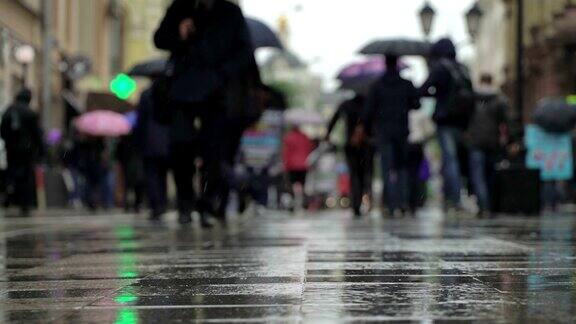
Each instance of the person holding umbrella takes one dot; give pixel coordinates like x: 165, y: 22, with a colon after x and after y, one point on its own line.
x: 386, y: 114
x: 211, y: 59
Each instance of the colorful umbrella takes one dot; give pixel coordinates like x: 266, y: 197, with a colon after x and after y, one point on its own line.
x: 360, y: 76
x: 103, y: 123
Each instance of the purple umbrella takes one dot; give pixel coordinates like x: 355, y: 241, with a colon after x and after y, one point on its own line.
x: 360, y: 76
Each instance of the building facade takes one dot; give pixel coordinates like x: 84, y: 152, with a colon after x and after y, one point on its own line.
x: 91, y: 29
x: 549, y: 44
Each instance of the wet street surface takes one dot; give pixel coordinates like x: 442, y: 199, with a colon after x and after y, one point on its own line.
x: 316, y: 268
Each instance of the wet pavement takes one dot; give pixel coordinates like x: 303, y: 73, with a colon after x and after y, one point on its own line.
x: 316, y: 268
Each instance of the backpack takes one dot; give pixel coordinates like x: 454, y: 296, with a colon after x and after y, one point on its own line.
x: 462, y: 102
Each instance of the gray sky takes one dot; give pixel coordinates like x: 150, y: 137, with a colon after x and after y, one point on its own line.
x: 328, y: 33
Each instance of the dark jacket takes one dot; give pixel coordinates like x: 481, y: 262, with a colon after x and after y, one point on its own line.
x: 484, y: 130
x: 152, y: 138
x: 217, y: 60
x: 21, y: 132
x: 388, y: 105
x: 440, y: 82
x: 352, y: 111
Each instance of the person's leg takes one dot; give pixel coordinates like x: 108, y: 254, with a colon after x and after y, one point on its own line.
x: 356, y: 173
x: 386, y: 160
x: 369, y: 170
x: 182, y: 163
x: 27, y: 189
x: 402, y: 185
x: 153, y: 185
x: 447, y: 137
x: 479, y: 178
x: 211, y: 151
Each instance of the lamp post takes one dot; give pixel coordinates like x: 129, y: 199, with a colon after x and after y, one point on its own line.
x: 24, y: 55
x: 427, y: 15
x: 474, y: 21
x: 520, y: 59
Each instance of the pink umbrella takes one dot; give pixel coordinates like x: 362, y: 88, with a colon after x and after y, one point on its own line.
x: 103, y: 123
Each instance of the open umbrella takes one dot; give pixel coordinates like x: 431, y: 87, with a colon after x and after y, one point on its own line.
x: 555, y: 115
x: 103, y: 123
x: 150, y: 69
x: 300, y: 116
x: 262, y: 36
x: 360, y: 76
x: 397, y: 47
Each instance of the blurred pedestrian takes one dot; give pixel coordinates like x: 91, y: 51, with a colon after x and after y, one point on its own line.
x: 129, y: 157
x: 296, y: 149
x: 22, y: 135
x: 360, y: 158
x: 211, y: 54
x: 153, y: 140
x: 388, y: 105
x: 244, y: 108
x: 449, y: 83
x: 487, y: 136
x: 94, y: 167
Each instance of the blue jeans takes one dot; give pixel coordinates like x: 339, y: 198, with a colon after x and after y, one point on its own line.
x: 479, y: 178
x: 550, y: 195
x: 448, y: 139
x: 393, y: 155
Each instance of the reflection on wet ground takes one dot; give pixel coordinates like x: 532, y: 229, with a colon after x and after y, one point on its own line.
x: 312, y: 268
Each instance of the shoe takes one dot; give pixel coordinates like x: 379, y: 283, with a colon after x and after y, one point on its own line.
x: 184, y: 219
x: 155, y: 218
x: 205, y: 221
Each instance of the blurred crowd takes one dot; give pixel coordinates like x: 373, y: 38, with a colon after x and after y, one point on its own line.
x: 209, y: 120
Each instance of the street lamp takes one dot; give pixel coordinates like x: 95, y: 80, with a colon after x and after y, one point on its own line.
x: 474, y: 20
x: 24, y: 55
x: 427, y: 15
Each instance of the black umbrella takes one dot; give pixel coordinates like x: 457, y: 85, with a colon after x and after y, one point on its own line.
x: 262, y: 36
x: 555, y: 115
x: 150, y: 69
x: 397, y: 47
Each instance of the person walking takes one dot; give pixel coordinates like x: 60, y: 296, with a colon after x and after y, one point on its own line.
x: 153, y: 141
x: 388, y: 105
x: 131, y: 162
x: 360, y: 158
x: 486, y: 136
x: 210, y: 50
x: 449, y: 83
x: 296, y: 149
x: 22, y: 137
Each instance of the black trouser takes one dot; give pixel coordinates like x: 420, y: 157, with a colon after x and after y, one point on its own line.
x: 205, y: 143
x: 156, y: 170
x: 22, y: 184
x: 360, y: 164
x: 417, y: 186
x: 182, y: 162
x: 133, y: 184
x: 231, y: 139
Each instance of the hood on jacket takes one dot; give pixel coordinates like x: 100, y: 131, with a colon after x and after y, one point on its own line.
x: 24, y: 96
x: 444, y: 48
